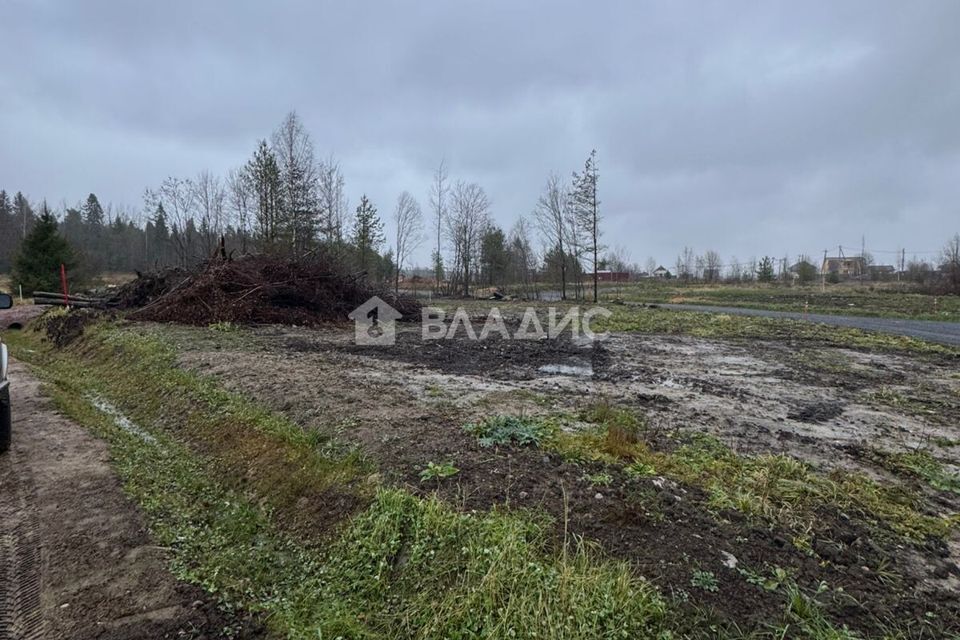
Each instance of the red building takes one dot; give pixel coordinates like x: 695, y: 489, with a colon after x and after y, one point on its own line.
x: 605, y: 275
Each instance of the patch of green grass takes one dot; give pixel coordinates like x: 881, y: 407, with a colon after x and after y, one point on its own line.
x: 783, y: 489
x: 503, y: 430
x: 831, y: 362
x: 776, y: 488
x: 921, y: 464
x: 601, y: 479
x: 709, y: 325
x: 919, y: 402
x: 436, y: 574
x: 873, y: 300
x: 434, y: 391
x: 225, y: 327
x: 640, y: 469
x: 945, y: 443
x: 807, y: 614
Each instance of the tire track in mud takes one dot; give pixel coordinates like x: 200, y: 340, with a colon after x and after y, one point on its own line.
x: 21, y: 615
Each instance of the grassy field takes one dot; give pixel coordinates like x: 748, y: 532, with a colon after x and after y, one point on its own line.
x: 711, y: 325
x: 880, y: 300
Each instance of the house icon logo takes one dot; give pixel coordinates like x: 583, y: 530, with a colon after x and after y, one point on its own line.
x: 374, y: 323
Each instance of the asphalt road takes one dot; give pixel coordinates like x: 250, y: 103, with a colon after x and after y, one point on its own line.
x: 942, y: 332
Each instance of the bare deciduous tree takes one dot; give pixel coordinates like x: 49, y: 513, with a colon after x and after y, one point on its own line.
x: 617, y: 259
x: 552, y: 215
x: 651, y: 266
x: 950, y: 262
x: 522, y: 258
x: 586, y: 209
x: 209, y: 196
x: 409, y: 221
x: 333, y: 202
x: 438, y: 203
x: 176, y: 197
x: 467, y: 219
x: 685, y: 264
x: 240, y: 197
x: 712, y: 263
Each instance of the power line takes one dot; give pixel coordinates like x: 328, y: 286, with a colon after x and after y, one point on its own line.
x: 886, y: 250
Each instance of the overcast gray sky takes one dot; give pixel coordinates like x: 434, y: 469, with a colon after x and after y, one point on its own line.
x: 750, y: 128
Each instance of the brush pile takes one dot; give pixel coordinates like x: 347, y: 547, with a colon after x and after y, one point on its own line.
x: 255, y: 290
x: 148, y: 287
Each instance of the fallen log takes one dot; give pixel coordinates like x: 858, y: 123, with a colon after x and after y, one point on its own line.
x: 50, y: 294
x: 52, y: 302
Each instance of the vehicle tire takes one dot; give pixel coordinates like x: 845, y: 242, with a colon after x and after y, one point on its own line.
x: 5, y: 419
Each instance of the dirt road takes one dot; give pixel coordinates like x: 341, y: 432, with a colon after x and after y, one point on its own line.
x: 942, y: 332
x: 75, y: 558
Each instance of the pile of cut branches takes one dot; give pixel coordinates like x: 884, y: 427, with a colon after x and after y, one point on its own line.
x: 265, y: 290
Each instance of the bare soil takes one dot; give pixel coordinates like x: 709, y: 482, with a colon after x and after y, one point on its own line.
x: 405, y: 406
x: 75, y: 558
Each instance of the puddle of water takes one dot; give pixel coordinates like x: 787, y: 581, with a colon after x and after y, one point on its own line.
x: 119, y: 419
x: 566, y: 370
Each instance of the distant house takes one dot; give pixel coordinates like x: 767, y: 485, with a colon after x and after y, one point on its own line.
x: 803, y: 265
x: 661, y: 272
x: 844, y: 267
x: 606, y: 275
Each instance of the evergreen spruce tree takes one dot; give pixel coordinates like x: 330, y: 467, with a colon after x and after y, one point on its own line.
x: 160, y: 241
x: 765, y: 270
x: 367, y: 232
x: 37, y: 264
x: 95, y: 243
x: 93, y: 211
x: 263, y: 172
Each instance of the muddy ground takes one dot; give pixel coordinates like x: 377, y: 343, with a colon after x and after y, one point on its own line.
x: 405, y: 406
x: 76, y: 560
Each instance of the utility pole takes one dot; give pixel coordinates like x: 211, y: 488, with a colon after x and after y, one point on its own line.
x: 823, y: 273
x: 863, y: 251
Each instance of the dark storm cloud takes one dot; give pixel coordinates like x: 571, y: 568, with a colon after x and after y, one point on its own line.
x: 745, y: 127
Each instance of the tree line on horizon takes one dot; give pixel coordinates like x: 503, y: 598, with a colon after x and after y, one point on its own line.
x: 283, y: 201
